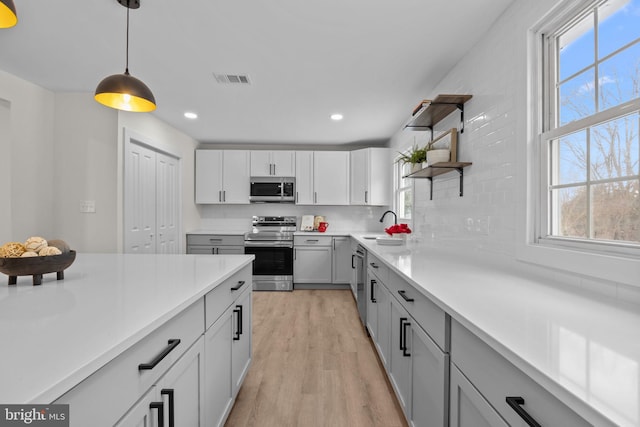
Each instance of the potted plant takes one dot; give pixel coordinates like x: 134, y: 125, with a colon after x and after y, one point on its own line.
x: 416, y: 156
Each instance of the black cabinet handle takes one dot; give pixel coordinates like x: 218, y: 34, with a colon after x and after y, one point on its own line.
x: 172, y: 415
x: 373, y: 264
x: 171, y: 345
x: 515, y: 402
x: 239, y: 307
x: 373, y: 299
x: 404, y: 296
x: 403, y: 333
x: 238, y: 312
x: 402, y: 320
x: 238, y: 286
x: 353, y: 259
x: 160, y: 407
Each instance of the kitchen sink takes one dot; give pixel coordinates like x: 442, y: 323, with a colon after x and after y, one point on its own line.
x: 391, y: 241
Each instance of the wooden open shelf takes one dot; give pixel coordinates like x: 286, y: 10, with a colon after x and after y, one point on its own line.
x: 439, y: 169
x: 430, y: 113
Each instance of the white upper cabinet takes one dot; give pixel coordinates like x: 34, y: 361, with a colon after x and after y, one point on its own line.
x: 272, y: 163
x: 322, y: 177
x: 222, y: 176
x: 370, y: 177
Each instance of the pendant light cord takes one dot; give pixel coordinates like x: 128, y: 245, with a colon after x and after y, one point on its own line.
x: 126, y: 68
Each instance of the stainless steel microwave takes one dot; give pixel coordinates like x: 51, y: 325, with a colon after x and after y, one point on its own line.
x: 272, y: 190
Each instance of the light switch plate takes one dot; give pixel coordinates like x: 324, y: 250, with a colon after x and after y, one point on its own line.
x: 88, y: 206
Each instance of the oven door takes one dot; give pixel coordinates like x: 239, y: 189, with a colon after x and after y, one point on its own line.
x: 273, y: 264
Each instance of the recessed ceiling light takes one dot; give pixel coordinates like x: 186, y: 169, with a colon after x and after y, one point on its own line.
x: 191, y: 115
x: 336, y: 116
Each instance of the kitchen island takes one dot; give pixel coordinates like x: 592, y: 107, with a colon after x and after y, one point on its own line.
x: 58, y: 334
x: 575, y: 347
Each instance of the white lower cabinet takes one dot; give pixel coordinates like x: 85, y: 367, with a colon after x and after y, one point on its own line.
x: 498, y: 382
x: 419, y: 371
x: 341, y: 264
x: 312, y: 259
x: 467, y: 406
x: 227, y: 345
x: 177, y: 398
x: 187, y: 372
x: 417, y: 367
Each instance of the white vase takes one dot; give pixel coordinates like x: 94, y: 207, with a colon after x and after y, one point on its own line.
x: 415, y: 167
x: 437, y: 156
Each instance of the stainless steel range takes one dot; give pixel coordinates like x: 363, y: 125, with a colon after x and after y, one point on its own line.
x: 271, y: 241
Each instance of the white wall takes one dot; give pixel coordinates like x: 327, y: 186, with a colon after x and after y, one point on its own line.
x: 27, y: 166
x: 490, y: 218
x: 86, y: 168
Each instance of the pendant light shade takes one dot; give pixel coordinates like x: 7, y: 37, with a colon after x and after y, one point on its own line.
x: 123, y: 91
x: 8, y: 16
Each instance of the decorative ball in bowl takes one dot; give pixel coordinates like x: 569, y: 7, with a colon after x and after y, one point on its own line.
x: 34, y: 258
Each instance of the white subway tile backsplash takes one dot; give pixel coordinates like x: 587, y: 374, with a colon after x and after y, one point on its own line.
x: 485, y: 219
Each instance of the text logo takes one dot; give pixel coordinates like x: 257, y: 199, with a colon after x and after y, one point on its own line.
x: 34, y: 415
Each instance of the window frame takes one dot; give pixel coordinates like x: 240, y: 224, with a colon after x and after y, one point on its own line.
x: 549, y: 130
x: 591, y: 268
x: 399, y: 190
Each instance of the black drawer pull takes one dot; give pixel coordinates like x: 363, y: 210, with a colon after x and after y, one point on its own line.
x: 404, y: 296
x: 160, y: 407
x: 171, y: 345
x: 515, y: 402
x: 373, y: 264
x: 172, y: 415
x: 238, y: 286
x: 238, y: 312
x: 373, y: 298
x: 405, y: 353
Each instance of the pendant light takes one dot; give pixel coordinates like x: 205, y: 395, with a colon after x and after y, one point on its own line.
x: 8, y: 16
x: 123, y: 91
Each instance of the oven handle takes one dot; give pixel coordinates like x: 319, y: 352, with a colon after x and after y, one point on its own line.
x: 267, y: 244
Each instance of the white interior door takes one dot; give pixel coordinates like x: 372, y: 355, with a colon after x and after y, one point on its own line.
x: 167, y: 204
x: 151, y: 199
x: 140, y: 199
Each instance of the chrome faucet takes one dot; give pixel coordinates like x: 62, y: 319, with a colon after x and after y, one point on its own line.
x: 395, y: 217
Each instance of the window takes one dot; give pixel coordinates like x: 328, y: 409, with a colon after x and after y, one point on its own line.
x: 590, y: 192
x: 403, y: 192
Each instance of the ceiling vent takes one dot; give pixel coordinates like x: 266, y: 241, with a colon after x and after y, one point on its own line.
x: 240, y: 79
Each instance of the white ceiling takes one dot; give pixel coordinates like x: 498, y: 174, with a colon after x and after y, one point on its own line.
x: 371, y: 60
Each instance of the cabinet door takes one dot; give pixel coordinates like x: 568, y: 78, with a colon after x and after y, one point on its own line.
x: 144, y: 413
x: 201, y: 250
x: 312, y: 264
x: 372, y: 292
x: 218, y: 389
x: 341, y: 260
x: 208, y: 176
x: 400, y: 357
x: 283, y: 163
x: 182, y: 389
x: 359, y: 166
x: 241, y: 339
x: 235, y: 176
x: 429, y: 380
x: 378, y: 176
x: 261, y: 163
x: 331, y: 177
x: 468, y: 407
x: 304, y: 177
x: 383, y: 298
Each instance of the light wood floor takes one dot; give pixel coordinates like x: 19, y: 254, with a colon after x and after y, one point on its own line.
x: 313, y: 365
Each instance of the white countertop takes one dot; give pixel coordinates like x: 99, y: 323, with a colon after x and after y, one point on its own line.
x: 585, y: 351
x: 56, y: 334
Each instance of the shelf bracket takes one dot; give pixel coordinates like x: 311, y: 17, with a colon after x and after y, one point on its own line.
x: 461, y: 183
x: 461, y: 108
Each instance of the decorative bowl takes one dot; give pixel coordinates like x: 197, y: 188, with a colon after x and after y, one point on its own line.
x: 36, y: 266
